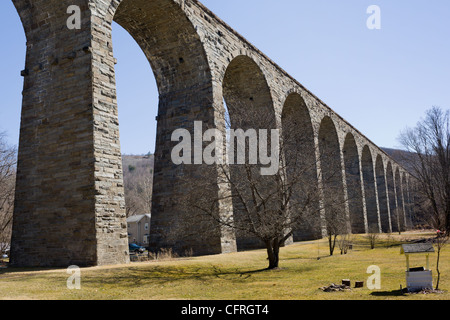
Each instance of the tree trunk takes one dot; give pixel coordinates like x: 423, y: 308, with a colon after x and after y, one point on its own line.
x: 273, y: 253
x: 437, y: 266
x: 332, y: 243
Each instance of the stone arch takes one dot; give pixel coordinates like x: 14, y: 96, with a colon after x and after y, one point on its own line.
x: 400, y: 201
x: 299, y: 153
x: 71, y: 73
x: 247, y: 95
x: 24, y: 8
x: 392, y: 193
x: 335, y: 215
x: 249, y: 104
x: 69, y: 115
x: 407, y: 199
x: 382, y: 195
x: 354, y: 190
x: 179, y: 62
x: 413, y: 191
x: 170, y: 42
x: 369, y: 190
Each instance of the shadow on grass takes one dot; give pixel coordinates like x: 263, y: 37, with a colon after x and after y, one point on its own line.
x: 136, y: 275
x: 318, y: 258
x: 393, y: 293
x: 157, y: 275
x: 8, y: 270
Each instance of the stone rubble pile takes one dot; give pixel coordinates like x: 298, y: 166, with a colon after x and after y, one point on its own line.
x: 427, y: 291
x: 336, y: 287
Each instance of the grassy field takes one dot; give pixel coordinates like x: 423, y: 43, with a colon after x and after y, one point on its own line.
x: 237, y: 276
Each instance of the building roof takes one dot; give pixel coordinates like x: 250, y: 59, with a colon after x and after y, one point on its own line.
x: 138, y: 218
x: 417, y: 248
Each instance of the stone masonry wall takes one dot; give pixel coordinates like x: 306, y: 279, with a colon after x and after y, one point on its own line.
x: 70, y: 206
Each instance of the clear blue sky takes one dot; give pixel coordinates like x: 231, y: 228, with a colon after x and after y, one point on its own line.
x: 379, y: 80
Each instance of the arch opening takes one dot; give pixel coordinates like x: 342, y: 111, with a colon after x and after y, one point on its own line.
x: 300, y: 164
x: 382, y: 195
x: 169, y: 41
x: 248, y: 105
x: 354, y: 190
x: 181, y: 71
x: 335, y: 216
x: 369, y: 190
x: 137, y: 100
x: 393, y: 204
x: 400, y: 201
x: 247, y: 96
x: 406, y: 183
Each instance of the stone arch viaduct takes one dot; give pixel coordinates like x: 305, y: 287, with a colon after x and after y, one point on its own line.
x: 70, y: 206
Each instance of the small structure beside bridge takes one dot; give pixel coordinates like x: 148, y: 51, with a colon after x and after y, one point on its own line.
x: 421, y: 278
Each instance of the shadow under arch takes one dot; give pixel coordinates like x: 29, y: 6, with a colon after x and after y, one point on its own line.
x: 393, y: 204
x: 400, y: 200
x: 300, y: 163
x: 247, y: 95
x: 382, y: 195
x: 406, y: 183
x: 369, y: 190
x: 248, y: 105
x: 354, y: 190
x: 332, y: 179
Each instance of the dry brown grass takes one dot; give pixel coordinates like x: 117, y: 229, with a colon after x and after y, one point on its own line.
x: 236, y: 276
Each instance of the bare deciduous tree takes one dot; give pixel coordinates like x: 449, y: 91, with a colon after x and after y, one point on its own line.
x: 373, y: 237
x: 345, y: 242
x: 138, y: 184
x: 429, y: 159
x: 440, y: 242
x: 335, y: 216
x: 8, y: 158
x: 267, y: 208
